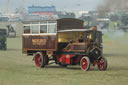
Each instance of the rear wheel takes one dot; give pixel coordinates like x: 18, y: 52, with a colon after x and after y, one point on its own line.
x: 102, y: 64
x: 40, y: 60
x: 85, y: 63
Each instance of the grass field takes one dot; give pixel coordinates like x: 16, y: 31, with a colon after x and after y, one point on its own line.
x: 19, y: 69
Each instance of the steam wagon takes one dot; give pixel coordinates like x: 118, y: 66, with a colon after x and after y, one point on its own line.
x: 64, y: 41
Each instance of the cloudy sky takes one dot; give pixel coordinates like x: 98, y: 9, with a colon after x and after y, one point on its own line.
x: 70, y: 5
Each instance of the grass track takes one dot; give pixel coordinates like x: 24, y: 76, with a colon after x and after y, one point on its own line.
x: 19, y: 69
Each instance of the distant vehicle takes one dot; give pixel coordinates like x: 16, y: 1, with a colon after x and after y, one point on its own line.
x: 103, y: 23
x: 64, y: 41
x: 3, y: 39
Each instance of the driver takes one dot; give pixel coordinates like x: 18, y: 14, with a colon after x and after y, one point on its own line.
x: 81, y: 39
x: 94, y: 28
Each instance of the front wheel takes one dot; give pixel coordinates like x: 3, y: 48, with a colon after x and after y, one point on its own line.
x: 85, y: 63
x: 102, y: 64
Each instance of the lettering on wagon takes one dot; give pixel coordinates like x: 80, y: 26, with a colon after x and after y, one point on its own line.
x: 39, y: 41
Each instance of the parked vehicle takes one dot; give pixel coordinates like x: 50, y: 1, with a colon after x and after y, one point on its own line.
x: 3, y: 39
x: 64, y: 41
x: 11, y: 32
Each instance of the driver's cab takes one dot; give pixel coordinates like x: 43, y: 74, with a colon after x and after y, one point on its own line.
x: 78, y: 39
x: 67, y: 34
x: 93, y: 36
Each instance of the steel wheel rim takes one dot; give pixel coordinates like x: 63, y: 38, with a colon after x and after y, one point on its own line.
x: 38, y: 60
x: 84, y: 64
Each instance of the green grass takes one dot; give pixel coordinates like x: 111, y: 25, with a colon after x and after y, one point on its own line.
x: 18, y: 69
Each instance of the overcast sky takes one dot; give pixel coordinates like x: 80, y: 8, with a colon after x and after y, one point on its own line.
x: 70, y: 5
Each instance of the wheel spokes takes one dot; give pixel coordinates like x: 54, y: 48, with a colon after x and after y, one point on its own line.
x: 101, y: 64
x: 38, y: 60
x: 84, y: 64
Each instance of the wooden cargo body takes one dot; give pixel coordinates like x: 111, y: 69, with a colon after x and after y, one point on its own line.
x: 38, y: 36
x: 34, y: 41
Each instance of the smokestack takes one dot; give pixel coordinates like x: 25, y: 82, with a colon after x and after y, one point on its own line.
x: 112, y: 5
